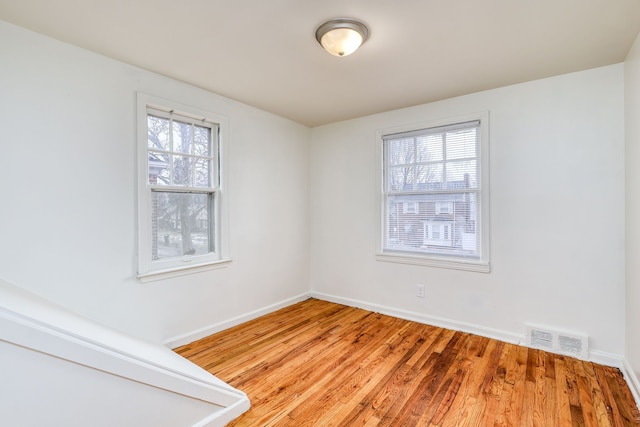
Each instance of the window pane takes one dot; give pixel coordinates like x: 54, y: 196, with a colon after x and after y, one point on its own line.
x: 400, y: 178
x: 181, y: 224
x: 182, y: 137
x: 462, y: 175
x: 158, y: 133
x: 461, y: 144
x: 404, y: 225
x: 429, y: 148
x: 201, y: 141
x: 182, y: 169
x: 202, y: 172
x: 443, y: 223
x: 393, y: 211
x: 159, y: 169
x: 400, y: 151
x: 429, y: 177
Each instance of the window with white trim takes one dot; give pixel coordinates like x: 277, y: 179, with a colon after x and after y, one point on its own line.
x: 409, y: 208
x: 444, y: 208
x: 180, y: 193
x: 445, y: 169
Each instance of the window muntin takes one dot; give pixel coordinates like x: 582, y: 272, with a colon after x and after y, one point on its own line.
x: 438, y: 169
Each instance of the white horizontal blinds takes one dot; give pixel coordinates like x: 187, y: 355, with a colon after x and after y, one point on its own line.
x: 432, y: 190
x: 434, y: 130
x: 432, y: 159
x: 183, y: 179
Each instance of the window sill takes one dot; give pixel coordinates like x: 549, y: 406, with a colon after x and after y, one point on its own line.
x: 169, y: 273
x: 455, y: 264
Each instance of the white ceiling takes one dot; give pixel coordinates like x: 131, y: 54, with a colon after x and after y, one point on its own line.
x: 263, y: 52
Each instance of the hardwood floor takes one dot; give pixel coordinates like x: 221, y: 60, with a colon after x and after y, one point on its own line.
x: 322, y: 364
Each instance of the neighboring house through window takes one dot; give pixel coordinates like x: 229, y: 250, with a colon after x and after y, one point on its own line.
x: 180, y: 192
x: 409, y: 208
x: 443, y: 170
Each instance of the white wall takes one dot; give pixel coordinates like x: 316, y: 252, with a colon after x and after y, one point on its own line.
x: 67, y: 216
x: 68, y: 199
x: 632, y: 126
x: 557, y: 214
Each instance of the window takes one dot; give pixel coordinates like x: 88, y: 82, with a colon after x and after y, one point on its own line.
x: 445, y: 169
x: 444, y: 208
x: 437, y: 233
x: 409, y: 208
x: 180, y: 194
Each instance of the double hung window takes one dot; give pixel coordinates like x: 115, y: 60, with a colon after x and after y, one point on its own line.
x: 180, y: 189
x: 442, y: 170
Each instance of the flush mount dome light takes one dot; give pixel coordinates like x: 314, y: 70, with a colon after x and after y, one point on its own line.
x: 342, y: 37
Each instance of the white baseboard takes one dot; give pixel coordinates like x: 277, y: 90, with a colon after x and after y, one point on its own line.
x: 596, y: 356
x: 607, y: 359
x: 633, y: 381
x: 189, y: 337
x: 421, y: 318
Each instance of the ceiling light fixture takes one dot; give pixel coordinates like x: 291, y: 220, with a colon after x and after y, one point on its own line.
x: 342, y: 37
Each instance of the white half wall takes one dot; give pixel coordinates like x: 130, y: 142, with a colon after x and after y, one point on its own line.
x: 62, y: 369
x: 68, y: 213
x: 557, y: 214
x: 632, y: 127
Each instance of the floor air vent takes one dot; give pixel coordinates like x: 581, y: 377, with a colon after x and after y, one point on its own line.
x: 567, y: 343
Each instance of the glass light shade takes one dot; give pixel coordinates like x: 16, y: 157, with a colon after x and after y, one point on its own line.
x: 342, y: 37
x: 341, y: 41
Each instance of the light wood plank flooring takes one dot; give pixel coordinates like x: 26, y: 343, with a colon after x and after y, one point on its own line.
x: 322, y: 364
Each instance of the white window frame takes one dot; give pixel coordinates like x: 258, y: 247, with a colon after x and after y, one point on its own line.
x: 482, y: 262
x: 149, y: 269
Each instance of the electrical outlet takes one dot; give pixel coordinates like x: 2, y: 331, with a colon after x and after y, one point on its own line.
x: 420, y: 291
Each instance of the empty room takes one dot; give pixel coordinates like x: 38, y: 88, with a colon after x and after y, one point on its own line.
x: 299, y: 213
